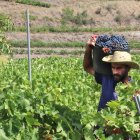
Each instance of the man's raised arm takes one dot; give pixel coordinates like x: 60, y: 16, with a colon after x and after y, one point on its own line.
x: 88, y: 60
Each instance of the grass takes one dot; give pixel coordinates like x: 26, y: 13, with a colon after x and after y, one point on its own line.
x: 62, y: 29
x: 134, y: 44
x: 18, y: 47
x: 76, y: 29
x: 39, y: 44
x: 4, y: 59
x: 55, y: 52
x: 34, y: 2
x: 49, y: 52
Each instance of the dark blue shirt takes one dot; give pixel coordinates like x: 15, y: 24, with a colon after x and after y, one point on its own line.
x: 108, y: 89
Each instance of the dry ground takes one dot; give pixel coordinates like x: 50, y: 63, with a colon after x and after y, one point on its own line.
x: 127, y: 10
x: 64, y: 37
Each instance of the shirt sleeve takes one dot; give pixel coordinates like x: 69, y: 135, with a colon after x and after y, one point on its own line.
x: 98, y: 78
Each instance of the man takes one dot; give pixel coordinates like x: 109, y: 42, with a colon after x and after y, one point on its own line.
x: 121, y: 63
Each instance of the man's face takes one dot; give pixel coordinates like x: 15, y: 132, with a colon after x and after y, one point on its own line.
x: 120, y: 71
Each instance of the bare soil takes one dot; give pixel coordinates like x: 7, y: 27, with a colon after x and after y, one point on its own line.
x: 65, y: 37
x: 20, y: 56
x: 101, y: 13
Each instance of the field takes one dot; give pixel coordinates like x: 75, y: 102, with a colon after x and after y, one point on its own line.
x: 61, y: 102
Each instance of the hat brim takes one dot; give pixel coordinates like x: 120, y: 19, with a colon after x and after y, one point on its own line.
x: 108, y: 59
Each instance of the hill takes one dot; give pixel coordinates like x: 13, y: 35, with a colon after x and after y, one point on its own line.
x: 71, y: 22
x: 91, y: 13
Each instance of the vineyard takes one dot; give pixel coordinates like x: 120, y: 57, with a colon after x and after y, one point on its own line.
x: 61, y: 101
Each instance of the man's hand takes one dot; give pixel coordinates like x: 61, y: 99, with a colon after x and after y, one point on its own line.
x: 91, y: 42
x: 106, y: 50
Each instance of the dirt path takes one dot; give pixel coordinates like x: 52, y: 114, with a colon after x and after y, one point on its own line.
x: 20, y: 56
x: 56, y: 49
x: 65, y: 37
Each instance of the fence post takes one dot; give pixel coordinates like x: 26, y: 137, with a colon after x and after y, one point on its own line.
x: 28, y: 41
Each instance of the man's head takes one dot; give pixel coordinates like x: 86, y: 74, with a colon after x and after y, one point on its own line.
x: 121, y: 63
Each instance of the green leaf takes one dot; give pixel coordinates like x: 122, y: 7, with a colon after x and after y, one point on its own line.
x: 113, y: 104
x: 3, y: 136
x: 32, y: 121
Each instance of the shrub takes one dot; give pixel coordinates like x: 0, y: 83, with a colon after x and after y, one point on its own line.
x: 109, y: 7
x: 5, y: 23
x: 81, y: 18
x: 98, y: 11
x: 4, y: 45
x: 118, y: 18
x: 67, y: 15
x: 138, y: 17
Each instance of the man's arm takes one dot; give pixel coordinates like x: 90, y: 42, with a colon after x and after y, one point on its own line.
x: 88, y: 60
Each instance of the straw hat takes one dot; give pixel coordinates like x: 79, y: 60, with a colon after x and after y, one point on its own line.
x: 121, y: 57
